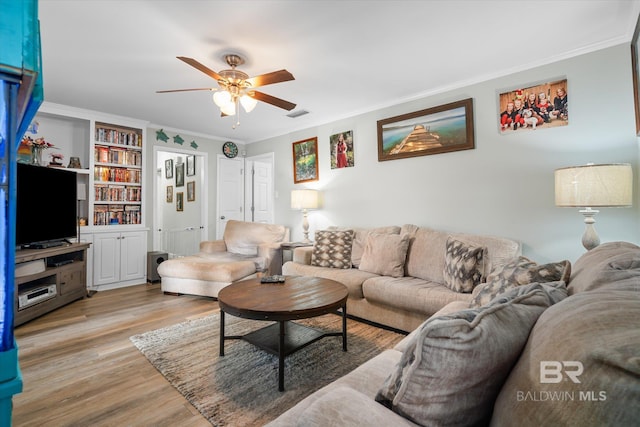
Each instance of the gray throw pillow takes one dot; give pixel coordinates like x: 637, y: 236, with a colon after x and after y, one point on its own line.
x: 520, y: 271
x: 451, y: 372
x: 463, y: 265
x: 332, y: 249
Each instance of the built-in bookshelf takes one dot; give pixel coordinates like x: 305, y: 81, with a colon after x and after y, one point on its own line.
x: 109, y: 151
x: 117, y: 177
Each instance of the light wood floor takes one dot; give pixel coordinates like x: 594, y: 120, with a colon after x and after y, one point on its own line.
x: 80, y: 369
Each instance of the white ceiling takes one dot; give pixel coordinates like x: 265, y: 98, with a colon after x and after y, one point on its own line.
x: 348, y: 57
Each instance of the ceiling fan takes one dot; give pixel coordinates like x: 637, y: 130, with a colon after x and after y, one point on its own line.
x: 236, y: 87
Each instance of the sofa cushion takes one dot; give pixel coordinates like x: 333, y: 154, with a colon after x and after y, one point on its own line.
x: 611, y: 262
x: 410, y: 294
x: 225, y: 267
x: 332, y: 249
x: 425, y: 257
x: 597, y: 333
x: 331, y: 410
x: 451, y: 373
x: 520, y: 271
x: 463, y: 265
x: 243, y: 238
x: 360, y: 235
x: 385, y: 254
x: 352, y: 278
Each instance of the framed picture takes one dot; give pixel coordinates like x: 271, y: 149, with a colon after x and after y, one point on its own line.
x: 180, y: 175
x: 436, y: 130
x: 191, y: 165
x: 191, y: 191
x: 168, y: 168
x: 635, y: 56
x: 341, y: 149
x: 179, y: 201
x: 305, y: 160
x: 169, y: 193
x: 534, y: 107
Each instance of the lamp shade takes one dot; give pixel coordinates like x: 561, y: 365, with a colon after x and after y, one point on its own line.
x: 304, y: 199
x: 608, y: 185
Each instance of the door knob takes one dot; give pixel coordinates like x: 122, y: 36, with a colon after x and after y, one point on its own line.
x: 223, y: 217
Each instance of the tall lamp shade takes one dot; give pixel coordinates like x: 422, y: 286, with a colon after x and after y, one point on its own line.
x: 589, y: 186
x: 304, y: 200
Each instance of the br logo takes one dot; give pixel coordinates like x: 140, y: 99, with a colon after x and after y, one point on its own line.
x: 553, y: 372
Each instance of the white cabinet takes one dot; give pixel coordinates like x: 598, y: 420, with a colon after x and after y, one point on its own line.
x: 119, y: 259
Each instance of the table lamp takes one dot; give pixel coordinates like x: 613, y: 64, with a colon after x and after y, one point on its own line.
x: 589, y: 186
x: 304, y: 200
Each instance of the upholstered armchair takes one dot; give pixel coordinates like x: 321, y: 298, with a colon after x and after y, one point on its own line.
x: 246, y: 249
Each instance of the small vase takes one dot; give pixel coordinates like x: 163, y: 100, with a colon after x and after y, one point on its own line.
x: 36, y: 155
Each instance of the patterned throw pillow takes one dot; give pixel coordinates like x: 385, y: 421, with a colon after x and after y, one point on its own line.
x: 520, y: 271
x: 463, y: 265
x: 332, y: 249
x: 434, y: 384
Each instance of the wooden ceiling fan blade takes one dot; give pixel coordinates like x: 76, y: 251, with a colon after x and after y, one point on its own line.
x: 198, y: 66
x: 271, y: 78
x: 281, y: 103
x: 185, y: 90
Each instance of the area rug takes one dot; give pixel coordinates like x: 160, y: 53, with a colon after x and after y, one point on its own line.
x: 241, y: 388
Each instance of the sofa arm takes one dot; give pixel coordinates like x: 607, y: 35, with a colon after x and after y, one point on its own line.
x: 213, y: 246
x: 303, y: 255
x: 272, y: 254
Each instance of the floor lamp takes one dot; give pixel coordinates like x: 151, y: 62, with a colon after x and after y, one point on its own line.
x: 589, y: 186
x: 304, y: 200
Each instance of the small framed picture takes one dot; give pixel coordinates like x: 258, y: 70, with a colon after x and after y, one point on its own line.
x: 168, y: 168
x: 341, y: 149
x: 180, y: 175
x: 305, y: 160
x: 169, y: 193
x: 191, y: 191
x: 179, y: 201
x: 191, y: 165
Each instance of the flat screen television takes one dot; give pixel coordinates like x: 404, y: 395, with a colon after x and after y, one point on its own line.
x: 46, y: 204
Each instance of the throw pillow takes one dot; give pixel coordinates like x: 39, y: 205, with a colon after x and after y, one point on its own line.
x: 385, y: 254
x: 520, y: 271
x: 463, y: 265
x: 452, y: 371
x: 332, y: 249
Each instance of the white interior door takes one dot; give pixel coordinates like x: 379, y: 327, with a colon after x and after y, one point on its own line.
x: 230, y: 185
x: 259, y: 189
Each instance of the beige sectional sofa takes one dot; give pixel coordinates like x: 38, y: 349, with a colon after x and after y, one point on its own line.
x: 539, y: 353
x: 417, y: 260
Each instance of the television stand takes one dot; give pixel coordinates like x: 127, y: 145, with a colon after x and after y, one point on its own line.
x: 61, y: 279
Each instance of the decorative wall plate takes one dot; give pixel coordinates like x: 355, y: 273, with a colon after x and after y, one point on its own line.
x: 230, y: 149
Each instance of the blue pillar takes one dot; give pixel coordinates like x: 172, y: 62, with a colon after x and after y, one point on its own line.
x: 20, y: 97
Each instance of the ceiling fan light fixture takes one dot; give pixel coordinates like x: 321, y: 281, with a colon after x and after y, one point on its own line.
x: 222, y: 98
x: 229, y: 108
x: 248, y: 103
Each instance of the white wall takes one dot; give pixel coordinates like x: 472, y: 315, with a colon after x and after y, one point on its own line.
x: 504, y: 186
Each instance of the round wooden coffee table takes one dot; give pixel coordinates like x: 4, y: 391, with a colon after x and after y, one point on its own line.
x: 297, y: 298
